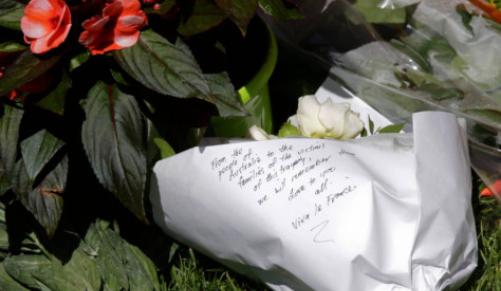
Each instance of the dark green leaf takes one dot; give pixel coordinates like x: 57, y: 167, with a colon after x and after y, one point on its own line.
x: 224, y: 96
x: 44, y: 200
x: 55, y: 100
x: 79, y: 60
x: 23, y: 267
x: 113, y: 136
x: 27, y: 67
x: 239, y: 11
x: 205, y: 16
x: 42, y: 273
x: 163, y: 67
x: 393, y: 128
x: 38, y: 150
x: 9, y: 5
x: 371, y: 126
x: 363, y: 133
x: 9, y: 134
x: 11, y: 12
x: 374, y: 14
x: 8, y: 283
x: 11, y: 47
x: 102, y: 261
x: 123, y: 266
x: 118, y: 77
x: 277, y: 9
x: 466, y: 17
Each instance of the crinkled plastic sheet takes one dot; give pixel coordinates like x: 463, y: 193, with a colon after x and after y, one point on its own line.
x: 405, y: 56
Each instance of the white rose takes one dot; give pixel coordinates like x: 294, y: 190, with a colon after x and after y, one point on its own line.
x: 326, y: 120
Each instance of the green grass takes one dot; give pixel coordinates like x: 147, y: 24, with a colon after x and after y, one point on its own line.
x: 487, y: 276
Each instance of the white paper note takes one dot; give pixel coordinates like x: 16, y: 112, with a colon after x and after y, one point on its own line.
x: 387, y: 212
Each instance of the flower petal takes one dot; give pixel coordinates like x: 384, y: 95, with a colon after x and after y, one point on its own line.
x: 34, y: 28
x: 126, y: 40
x: 307, y: 116
x: 352, y: 126
x: 42, y: 5
x: 118, y: 27
x: 130, y: 6
x: 131, y: 23
x: 332, y: 116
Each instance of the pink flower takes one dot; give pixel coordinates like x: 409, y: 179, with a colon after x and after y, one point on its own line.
x: 45, y: 24
x: 118, y: 27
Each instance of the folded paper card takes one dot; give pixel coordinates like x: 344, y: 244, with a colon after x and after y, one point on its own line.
x: 386, y: 212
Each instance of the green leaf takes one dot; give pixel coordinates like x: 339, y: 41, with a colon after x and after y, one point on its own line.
x: 11, y: 47
x: 239, y: 11
x: 205, y: 15
x: 371, y: 126
x: 374, y: 14
x: 163, y: 67
x: 288, y: 130
x: 23, y: 267
x: 393, y: 128
x: 9, y: 135
x: 277, y: 9
x: 165, y: 148
x: 118, y: 77
x: 38, y: 150
x: 224, y: 96
x: 8, y: 283
x: 79, y: 60
x: 102, y: 261
x: 123, y: 266
x: 42, y: 273
x: 27, y: 67
x: 10, y: 14
x: 114, y: 139
x: 55, y: 100
x: 44, y: 200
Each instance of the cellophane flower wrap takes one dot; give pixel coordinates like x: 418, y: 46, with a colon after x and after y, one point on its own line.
x: 405, y: 56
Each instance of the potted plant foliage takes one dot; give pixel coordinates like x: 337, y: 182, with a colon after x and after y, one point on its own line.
x: 92, y: 94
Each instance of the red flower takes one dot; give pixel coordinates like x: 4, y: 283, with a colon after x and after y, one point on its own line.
x: 493, y: 189
x: 45, y: 24
x: 118, y: 27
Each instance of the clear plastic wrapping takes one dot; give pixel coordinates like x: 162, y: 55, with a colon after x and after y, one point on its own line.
x: 405, y: 56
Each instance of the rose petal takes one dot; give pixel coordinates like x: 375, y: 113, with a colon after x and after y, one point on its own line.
x: 307, y: 116
x: 352, y: 126
x: 293, y: 120
x: 332, y: 117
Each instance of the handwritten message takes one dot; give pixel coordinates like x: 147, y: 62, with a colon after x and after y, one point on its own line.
x: 292, y: 174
